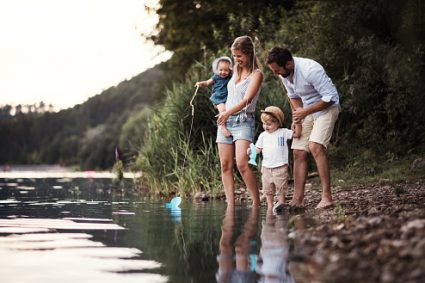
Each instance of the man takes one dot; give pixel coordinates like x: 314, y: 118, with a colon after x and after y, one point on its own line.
x: 315, y: 104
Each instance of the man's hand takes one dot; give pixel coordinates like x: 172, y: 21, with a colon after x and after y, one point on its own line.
x: 299, y: 114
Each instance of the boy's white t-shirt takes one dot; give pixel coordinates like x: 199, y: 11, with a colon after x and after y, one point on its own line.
x: 274, y: 147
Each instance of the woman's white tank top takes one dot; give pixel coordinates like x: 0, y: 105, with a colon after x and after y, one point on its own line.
x: 236, y: 92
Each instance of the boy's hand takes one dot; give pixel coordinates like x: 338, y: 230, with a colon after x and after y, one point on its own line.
x: 248, y: 151
x: 296, y: 128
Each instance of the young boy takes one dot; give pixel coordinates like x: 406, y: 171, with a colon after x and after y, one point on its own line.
x: 272, y: 143
x: 222, y: 68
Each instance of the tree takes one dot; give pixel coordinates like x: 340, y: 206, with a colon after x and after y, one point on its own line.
x: 189, y: 28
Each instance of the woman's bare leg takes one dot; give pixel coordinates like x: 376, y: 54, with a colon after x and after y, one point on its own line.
x: 226, y: 154
x: 248, y: 176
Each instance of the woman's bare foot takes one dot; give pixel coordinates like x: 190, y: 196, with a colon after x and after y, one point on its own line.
x: 225, y: 131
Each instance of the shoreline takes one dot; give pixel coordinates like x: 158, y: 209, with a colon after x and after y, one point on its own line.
x: 63, y: 175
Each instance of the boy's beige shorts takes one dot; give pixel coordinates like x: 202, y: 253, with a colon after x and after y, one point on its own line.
x: 275, y: 180
x: 319, y: 130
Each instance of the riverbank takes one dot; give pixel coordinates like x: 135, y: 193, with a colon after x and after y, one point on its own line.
x: 374, y: 233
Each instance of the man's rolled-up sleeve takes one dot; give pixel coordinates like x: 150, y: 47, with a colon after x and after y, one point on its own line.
x: 322, y: 83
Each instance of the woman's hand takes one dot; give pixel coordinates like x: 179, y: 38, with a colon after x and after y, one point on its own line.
x: 222, y: 117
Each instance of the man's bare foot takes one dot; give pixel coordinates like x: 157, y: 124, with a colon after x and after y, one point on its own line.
x: 225, y: 131
x: 323, y: 204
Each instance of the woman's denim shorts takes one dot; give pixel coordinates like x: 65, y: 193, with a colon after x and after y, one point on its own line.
x: 240, y: 126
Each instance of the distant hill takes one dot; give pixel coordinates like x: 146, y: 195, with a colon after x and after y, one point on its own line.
x: 87, y: 134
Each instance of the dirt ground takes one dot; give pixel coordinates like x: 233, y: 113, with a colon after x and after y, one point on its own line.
x: 373, y: 233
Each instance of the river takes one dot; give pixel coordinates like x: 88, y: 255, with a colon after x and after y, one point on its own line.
x: 96, y: 230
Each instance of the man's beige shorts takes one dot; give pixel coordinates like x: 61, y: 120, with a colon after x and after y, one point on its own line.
x: 318, y: 131
x: 274, y: 180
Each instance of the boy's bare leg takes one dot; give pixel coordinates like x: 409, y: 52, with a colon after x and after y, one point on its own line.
x: 269, y: 199
x: 281, y: 193
x: 278, y: 207
x: 221, y: 108
x: 281, y: 198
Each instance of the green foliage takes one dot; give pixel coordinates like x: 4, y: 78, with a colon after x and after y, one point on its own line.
x: 339, y: 212
x: 374, y: 54
x: 188, y: 28
x: 180, y: 154
x: 118, y: 170
x: 373, y: 51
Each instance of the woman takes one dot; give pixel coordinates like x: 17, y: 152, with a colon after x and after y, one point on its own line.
x: 243, y: 91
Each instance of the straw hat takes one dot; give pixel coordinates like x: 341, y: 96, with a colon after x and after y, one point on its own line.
x: 275, y: 112
x: 222, y: 58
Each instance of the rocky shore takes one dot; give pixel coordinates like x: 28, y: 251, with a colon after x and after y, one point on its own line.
x: 374, y: 233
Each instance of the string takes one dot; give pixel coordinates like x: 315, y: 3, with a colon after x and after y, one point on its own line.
x: 191, y: 124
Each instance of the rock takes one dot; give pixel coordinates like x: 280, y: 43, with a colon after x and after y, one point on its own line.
x: 387, y: 276
x: 414, y: 224
x: 417, y: 164
x: 200, y: 197
x: 373, y: 211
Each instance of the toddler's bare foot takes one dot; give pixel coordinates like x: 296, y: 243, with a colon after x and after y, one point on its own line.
x: 225, y: 131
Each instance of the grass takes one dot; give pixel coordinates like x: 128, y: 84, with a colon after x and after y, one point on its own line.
x: 375, y: 171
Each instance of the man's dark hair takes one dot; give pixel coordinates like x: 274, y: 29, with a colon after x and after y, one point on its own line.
x: 279, y: 55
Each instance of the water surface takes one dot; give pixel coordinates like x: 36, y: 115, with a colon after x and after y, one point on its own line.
x: 92, y: 230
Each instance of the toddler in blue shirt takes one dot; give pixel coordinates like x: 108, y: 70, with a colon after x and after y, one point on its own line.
x: 222, y: 68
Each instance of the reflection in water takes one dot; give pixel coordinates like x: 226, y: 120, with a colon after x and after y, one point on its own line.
x: 57, y: 231
x: 235, y: 266
x: 54, y: 230
x: 273, y: 258
x: 70, y: 257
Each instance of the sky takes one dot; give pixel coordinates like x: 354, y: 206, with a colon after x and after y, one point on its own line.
x: 62, y: 52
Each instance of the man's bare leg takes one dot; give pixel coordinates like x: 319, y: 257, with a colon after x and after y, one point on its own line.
x: 300, y: 175
x: 319, y: 154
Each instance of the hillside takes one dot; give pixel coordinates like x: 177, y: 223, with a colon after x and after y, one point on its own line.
x: 86, y: 134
